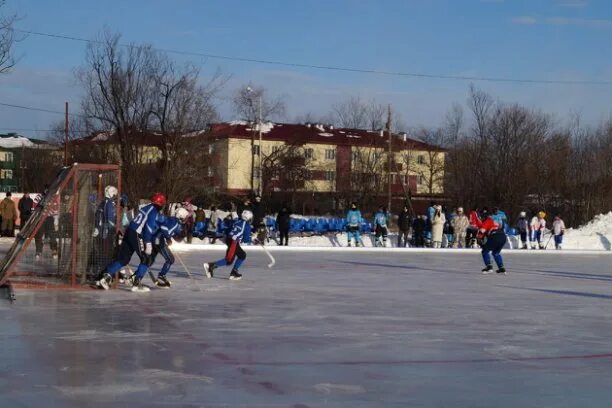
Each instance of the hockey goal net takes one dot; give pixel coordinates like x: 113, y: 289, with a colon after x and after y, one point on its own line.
x: 57, y: 248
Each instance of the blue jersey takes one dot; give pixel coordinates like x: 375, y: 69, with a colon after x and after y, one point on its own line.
x: 169, y: 227
x: 147, y: 222
x: 106, y: 217
x: 240, y: 230
x: 353, y: 217
x: 381, y: 218
x: 500, y: 218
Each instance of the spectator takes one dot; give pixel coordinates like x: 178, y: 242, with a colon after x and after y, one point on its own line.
x: 189, y: 221
x: 473, y: 228
x: 25, y: 205
x: 404, y: 222
x: 418, y: 231
x: 460, y: 225
x: 213, y: 224
x: 259, y: 225
x: 8, y: 211
x: 449, y: 231
x: 558, y: 228
x: 430, y: 213
x: 437, y: 227
x: 522, y: 226
x: 282, y: 224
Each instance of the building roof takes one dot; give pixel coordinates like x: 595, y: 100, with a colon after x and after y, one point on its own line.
x: 316, y: 133
x: 102, y: 138
x: 14, y: 140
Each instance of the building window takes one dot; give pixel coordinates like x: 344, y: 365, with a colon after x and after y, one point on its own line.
x: 421, y: 180
x: 256, y: 173
x: 330, y: 175
x: 8, y: 157
x: 6, y: 174
x: 356, y: 156
x: 308, y: 153
x: 275, y: 149
x: 256, y: 150
x: 420, y: 159
x: 330, y: 154
x: 275, y: 175
x: 307, y: 175
x: 210, y: 171
x: 211, y: 149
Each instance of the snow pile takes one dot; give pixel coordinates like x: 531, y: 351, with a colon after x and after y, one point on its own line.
x: 597, y: 234
x: 12, y: 142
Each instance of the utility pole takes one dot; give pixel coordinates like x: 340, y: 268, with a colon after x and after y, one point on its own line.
x: 66, y: 137
x: 260, y: 152
x: 389, y: 159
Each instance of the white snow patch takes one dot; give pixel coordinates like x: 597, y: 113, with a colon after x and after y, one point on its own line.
x: 15, y: 141
x: 239, y: 123
x: 354, y: 136
x: 597, y: 234
x: 325, y: 134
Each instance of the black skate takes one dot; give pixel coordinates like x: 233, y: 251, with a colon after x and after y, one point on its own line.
x: 162, y: 282
x: 139, y: 287
x: 487, y: 270
x: 501, y: 270
x: 234, y: 275
x: 104, y: 282
x: 209, y: 269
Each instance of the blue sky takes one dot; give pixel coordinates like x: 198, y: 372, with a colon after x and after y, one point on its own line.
x: 534, y: 39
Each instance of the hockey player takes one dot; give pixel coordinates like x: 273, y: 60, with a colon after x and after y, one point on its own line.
x: 381, y: 220
x: 171, y: 227
x: 138, y: 238
x: 105, y: 224
x: 240, y: 229
x: 558, y: 229
x: 522, y: 225
x: 492, y: 239
x: 538, y: 226
x: 353, y: 224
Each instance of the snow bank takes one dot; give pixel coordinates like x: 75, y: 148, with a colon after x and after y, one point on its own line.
x: 597, y: 234
x: 12, y: 142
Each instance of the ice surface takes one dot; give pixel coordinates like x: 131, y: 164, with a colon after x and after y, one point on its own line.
x: 323, y: 328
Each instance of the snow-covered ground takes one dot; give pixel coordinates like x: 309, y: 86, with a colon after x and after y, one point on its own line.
x: 594, y: 236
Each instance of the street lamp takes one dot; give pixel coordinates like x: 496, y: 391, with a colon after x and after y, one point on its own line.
x: 251, y: 91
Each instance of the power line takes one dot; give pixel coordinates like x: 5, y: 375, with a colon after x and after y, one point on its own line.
x: 32, y: 108
x: 337, y: 68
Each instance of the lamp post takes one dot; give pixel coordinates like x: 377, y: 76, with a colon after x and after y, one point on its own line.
x: 259, y: 124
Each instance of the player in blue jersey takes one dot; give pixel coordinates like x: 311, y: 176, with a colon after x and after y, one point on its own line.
x: 171, y: 227
x: 138, y: 238
x: 240, y: 229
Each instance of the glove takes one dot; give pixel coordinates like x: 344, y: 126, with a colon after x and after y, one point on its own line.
x: 148, y: 248
x: 169, y: 241
x: 95, y: 233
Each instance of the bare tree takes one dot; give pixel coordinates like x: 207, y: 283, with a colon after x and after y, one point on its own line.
x: 355, y: 113
x: 7, y: 40
x: 285, y: 169
x: 432, y: 168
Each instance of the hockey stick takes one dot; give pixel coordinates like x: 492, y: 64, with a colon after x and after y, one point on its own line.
x: 272, y: 260
x: 548, y: 242
x: 187, y: 270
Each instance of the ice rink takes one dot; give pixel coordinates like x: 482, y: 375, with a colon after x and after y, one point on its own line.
x: 323, y: 329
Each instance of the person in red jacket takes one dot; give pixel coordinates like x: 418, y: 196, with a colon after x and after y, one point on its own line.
x: 492, y: 238
x: 470, y: 236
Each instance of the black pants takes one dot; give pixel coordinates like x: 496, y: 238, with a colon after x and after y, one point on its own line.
x: 131, y: 243
x: 284, y: 233
x: 524, y: 237
x: 403, y: 235
x: 419, y: 239
x: 46, y: 230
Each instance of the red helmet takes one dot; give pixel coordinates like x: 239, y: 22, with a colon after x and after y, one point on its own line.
x: 158, y: 199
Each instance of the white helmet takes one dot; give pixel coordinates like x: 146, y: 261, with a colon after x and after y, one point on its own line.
x: 182, y: 215
x: 247, y: 215
x: 459, y: 209
x: 110, y: 191
x: 523, y: 214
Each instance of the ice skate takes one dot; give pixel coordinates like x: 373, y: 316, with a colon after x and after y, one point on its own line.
x: 104, y: 282
x: 501, y: 271
x: 163, y: 282
x: 38, y: 257
x: 138, y: 286
x: 234, y: 275
x: 487, y: 270
x: 209, y: 269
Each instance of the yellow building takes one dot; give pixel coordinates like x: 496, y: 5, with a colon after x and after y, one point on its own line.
x: 315, y: 158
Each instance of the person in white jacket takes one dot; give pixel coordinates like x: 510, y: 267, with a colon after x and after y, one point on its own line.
x: 558, y: 228
x: 537, y: 226
x: 437, y: 226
